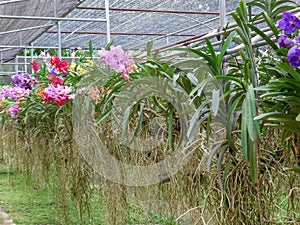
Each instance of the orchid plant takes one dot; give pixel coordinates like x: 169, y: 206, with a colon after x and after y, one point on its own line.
x: 281, y: 96
x: 290, y: 25
x: 40, y: 91
x: 54, y: 84
x: 255, y: 88
x: 116, y: 59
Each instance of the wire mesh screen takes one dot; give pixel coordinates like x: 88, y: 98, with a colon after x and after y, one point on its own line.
x: 132, y: 23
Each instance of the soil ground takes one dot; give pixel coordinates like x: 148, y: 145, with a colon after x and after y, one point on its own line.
x: 4, y: 218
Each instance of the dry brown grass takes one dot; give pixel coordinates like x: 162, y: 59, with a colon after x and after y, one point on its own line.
x: 189, y: 197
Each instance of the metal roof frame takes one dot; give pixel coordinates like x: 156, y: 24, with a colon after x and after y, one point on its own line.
x: 55, y: 21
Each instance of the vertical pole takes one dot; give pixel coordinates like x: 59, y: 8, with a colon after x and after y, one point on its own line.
x: 21, y: 42
x: 16, y: 65
x: 58, y: 29
x: 21, y: 38
x: 222, y: 14
x: 1, y: 59
x: 31, y: 51
x: 107, y: 20
x: 59, y: 39
x: 222, y: 6
x: 25, y: 60
x: 31, y: 56
x: 54, y: 8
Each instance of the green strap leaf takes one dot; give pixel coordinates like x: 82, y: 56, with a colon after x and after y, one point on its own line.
x: 170, y: 126
x: 244, y: 133
x: 289, y: 70
x: 264, y: 36
x: 229, y: 124
x: 125, y: 122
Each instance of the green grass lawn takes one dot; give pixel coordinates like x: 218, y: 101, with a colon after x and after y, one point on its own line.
x: 26, y: 204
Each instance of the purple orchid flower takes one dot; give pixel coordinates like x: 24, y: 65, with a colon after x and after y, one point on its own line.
x: 285, y: 42
x: 289, y: 23
x: 294, y: 56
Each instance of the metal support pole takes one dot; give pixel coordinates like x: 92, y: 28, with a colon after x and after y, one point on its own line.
x: 54, y: 8
x: 150, y: 10
x: 59, y: 39
x: 11, y: 1
x: 120, y: 33
x: 21, y: 38
x: 58, y: 29
x: 31, y: 56
x: 107, y: 20
x: 25, y: 60
x: 1, y: 60
x: 27, y: 28
x: 51, y: 18
x: 16, y: 66
x: 31, y: 51
x: 9, y: 47
x: 222, y: 14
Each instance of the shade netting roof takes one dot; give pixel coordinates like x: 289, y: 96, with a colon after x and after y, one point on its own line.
x: 9, y: 34
x: 132, y: 22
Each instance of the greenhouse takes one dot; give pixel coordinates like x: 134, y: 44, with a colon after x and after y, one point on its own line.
x: 150, y: 112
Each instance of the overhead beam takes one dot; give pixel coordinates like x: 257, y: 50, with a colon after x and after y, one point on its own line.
x: 5, y: 49
x: 25, y: 29
x: 120, y: 33
x: 51, y: 18
x: 26, y: 46
x: 150, y: 10
x: 7, y: 73
x: 11, y: 1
